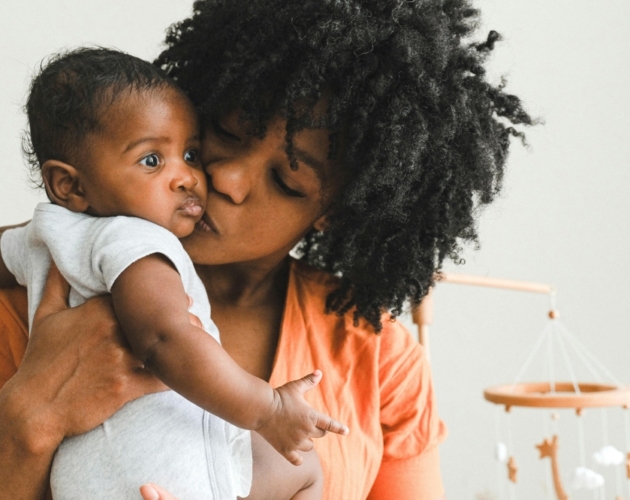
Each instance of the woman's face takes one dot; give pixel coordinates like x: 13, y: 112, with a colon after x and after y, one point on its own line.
x: 257, y: 207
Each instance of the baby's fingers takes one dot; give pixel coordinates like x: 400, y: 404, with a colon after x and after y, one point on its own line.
x: 294, y: 457
x: 194, y: 320
x: 153, y: 492
x: 306, y: 383
x: 325, y: 423
x: 305, y: 446
x: 318, y: 433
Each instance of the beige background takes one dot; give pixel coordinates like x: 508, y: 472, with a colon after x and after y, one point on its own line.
x: 563, y: 217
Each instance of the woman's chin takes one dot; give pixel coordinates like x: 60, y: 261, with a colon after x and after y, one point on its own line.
x: 204, y: 248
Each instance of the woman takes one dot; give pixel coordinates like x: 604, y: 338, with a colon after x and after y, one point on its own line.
x: 363, y: 129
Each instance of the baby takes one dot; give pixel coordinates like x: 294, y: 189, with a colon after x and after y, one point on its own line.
x: 118, y: 143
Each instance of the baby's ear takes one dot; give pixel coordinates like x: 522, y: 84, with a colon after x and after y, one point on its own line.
x: 62, y: 185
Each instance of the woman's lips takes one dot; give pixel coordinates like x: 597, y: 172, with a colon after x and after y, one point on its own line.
x: 205, y: 224
x: 191, y: 207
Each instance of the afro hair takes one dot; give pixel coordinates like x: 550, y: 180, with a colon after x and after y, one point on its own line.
x: 421, y: 134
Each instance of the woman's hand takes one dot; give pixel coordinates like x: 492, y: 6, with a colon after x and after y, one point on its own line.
x: 84, y: 367
x: 77, y: 371
x: 153, y: 492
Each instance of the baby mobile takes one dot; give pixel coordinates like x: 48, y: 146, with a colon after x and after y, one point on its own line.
x: 558, y: 348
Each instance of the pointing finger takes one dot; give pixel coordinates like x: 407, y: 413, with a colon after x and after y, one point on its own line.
x: 318, y: 433
x: 326, y: 423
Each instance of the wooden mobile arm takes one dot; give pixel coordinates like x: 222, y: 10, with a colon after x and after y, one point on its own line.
x: 422, y: 314
x: 521, y: 286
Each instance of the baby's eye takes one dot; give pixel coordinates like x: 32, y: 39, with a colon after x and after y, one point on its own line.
x: 191, y: 156
x: 151, y: 160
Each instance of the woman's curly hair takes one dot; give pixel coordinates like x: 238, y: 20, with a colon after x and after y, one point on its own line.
x: 422, y: 136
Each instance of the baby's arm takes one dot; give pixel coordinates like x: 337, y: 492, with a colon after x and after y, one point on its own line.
x: 152, y: 307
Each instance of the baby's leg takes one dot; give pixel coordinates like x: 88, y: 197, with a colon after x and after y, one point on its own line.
x: 276, y: 479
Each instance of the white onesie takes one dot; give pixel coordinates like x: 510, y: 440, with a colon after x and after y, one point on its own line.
x: 161, y: 438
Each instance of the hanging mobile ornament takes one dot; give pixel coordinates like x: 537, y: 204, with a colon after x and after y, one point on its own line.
x: 551, y: 394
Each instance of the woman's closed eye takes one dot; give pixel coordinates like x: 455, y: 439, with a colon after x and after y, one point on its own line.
x: 151, y: 160
x: 283, y: 187
x: 221, y: 132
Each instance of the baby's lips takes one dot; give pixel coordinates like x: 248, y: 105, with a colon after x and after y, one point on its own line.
x: 191, y: 207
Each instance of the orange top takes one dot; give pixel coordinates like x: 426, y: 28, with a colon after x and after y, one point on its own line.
x: 379, y: 385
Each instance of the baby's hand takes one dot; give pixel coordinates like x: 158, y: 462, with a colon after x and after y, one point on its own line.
x: 153, y: 492
x: 294, y: 422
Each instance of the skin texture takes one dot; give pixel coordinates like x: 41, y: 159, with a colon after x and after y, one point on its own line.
x: 254, y: 193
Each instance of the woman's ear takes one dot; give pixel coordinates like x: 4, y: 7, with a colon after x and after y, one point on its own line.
x: 62, y: 185
x: 321, y: 224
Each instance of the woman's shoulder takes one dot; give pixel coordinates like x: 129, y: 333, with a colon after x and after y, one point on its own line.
x: 308, y: 275
x: 309, y: 287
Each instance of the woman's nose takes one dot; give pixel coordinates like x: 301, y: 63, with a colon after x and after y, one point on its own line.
x: 230, y: 178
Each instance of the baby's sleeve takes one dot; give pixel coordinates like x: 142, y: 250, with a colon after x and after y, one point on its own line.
x: 13, y: 248
x: 125, y: 240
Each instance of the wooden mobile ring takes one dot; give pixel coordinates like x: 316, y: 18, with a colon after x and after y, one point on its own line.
x: 540, y: 395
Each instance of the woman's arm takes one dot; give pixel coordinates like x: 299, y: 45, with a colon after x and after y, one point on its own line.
x: 407, y: 478
x: 76, y: 372
x: 24, y: 458
x: 412, y: 429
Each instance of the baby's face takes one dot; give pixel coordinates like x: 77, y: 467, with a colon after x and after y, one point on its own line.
x: 145, y: 161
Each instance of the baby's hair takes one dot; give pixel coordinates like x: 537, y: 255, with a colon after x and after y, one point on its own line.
x: 69, y: 94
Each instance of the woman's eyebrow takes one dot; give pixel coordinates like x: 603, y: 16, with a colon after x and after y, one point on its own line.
x: 309, y: 160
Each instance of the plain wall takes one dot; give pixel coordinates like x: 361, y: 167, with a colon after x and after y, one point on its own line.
x: 562, y: 217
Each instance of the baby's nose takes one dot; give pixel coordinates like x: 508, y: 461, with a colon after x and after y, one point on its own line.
x: 184, y: 178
